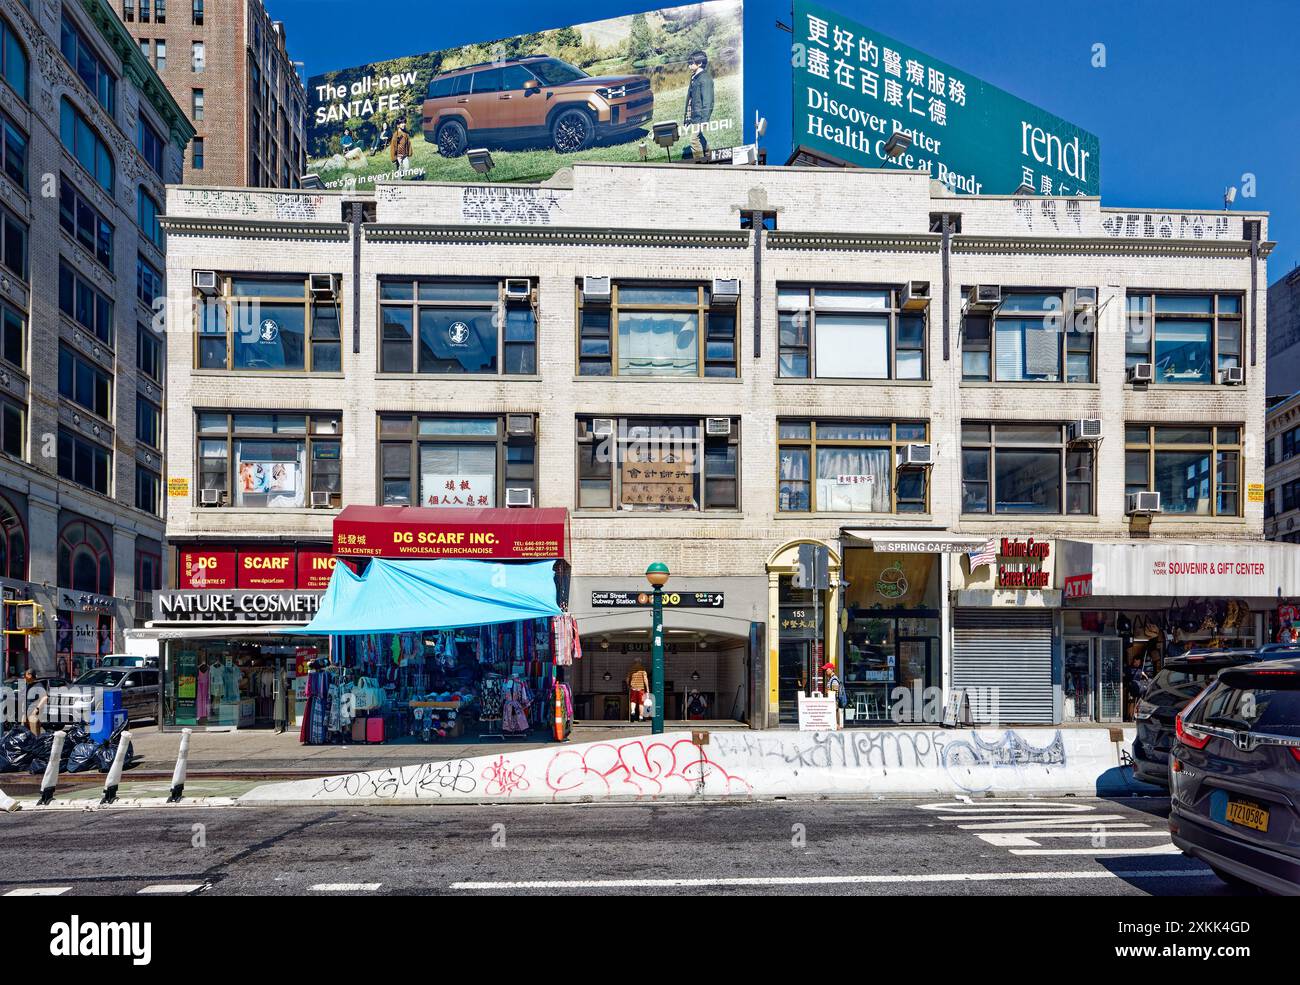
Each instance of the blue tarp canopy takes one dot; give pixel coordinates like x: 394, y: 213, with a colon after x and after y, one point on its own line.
x: 409, y: 596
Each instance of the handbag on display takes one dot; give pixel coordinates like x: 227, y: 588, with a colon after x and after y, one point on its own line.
x: 359, y: 729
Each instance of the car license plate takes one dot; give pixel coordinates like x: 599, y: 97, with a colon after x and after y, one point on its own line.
x: 1247, y: 815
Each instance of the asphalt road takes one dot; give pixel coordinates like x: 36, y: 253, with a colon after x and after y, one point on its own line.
x: 1049, y: 848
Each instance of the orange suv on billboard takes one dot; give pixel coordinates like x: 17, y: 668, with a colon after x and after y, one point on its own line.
x: 536, y: 98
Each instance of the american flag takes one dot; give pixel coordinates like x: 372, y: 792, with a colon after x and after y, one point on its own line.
x: 983, y: 555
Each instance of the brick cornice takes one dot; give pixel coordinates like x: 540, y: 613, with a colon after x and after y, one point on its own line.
x: 255, y: 229
x: 1105, y: 246
x: 557, y: 236
x: 855, y: 242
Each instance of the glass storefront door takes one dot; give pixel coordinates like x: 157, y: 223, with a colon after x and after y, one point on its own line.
x: 793, y: 667
x: 1092, y: 690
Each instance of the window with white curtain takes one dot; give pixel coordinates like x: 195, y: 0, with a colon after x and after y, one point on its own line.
x: 829, y: 466
x: 848, y: 333
x: 657, y: 329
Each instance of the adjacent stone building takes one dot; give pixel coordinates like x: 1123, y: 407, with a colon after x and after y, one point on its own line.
x: 91, y: 137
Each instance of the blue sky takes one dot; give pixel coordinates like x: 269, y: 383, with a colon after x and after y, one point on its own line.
x: 1194, y: 93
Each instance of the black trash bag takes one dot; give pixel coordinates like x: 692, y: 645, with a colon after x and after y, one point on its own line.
x: 15, y: 750
x: 107, y: 752
x: 83, y: 757
x: 40, y: 748
x: 75, y: 734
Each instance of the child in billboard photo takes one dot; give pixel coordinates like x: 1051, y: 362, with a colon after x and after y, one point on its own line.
x: 699, y: 105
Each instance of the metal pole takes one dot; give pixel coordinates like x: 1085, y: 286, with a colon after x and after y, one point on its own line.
x: 115, y: 771
x: 657, y: 635
x: 182, y: 761
x: 50, y: 782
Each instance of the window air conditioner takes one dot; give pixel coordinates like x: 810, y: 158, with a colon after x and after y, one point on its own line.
x: 1143, y: 502
x: 726, y: 290
x: 519, y: 496
x: 717, y: 427
x: 211, y: 497
x: 915, y: 456
x: 1085, y: 429
x: 985, y: 296
x: 205, y: 282
x: 1232, y: 376
x: 1141, y: 373
x: 519, y: 425
x: 320, y: 499
x: 323, y: 287
x: 518, y: 289
x: 596, y: 290
x: 602, y: 427
x: 916, y: 295
x: 1084, y: 298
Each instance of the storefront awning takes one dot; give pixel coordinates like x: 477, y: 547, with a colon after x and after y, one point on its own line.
x: 917, y: 542
x: 453, y: 532
x: 410, y: 596
x: 1253, y: 569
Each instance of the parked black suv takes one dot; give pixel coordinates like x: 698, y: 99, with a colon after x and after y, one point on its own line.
x: 1235, y: 777
x: 1180, y: 680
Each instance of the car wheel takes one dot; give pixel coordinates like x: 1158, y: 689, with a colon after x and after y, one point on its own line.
x: 572, y: 130
x: 453, y: 138
x: 1237, y: 883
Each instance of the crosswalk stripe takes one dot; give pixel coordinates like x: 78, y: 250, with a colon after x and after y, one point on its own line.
x: 1169, y: 849
x: 346, y: 887
x: 175, y: 888
x: 39, y: 891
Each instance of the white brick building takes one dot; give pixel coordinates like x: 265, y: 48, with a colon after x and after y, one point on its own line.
x: 841, y: 381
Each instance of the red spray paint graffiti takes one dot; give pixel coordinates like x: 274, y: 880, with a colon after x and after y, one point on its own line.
x: 640, y: 768
x: 503, y: 779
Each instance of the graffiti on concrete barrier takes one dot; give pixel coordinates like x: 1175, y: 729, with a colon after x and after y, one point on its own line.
x: 503, y: 779
x: 641, y: 768
x: 425, y: 781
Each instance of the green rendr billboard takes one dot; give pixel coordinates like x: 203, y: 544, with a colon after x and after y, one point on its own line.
x: 855, y: 87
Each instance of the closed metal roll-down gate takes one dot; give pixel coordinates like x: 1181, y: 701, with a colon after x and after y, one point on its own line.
x: 1008, y: 651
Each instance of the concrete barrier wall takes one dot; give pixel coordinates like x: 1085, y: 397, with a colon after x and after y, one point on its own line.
x: 875, y: 762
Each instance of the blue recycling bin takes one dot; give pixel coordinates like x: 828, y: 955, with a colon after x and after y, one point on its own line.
x: 108, y: 716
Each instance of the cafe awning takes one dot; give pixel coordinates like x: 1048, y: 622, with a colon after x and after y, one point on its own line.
x: 410, y: 596
x: 904, y: 541
x: 452, y: 532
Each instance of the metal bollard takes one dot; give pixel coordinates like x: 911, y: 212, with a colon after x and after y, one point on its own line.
x: 7, y: 804
x: 115, y: 771
x: 178, y: 775
x: 51, y: 779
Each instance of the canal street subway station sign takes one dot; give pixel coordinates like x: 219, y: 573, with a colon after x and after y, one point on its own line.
x: 671, y: 600
x: 236, y: 606
x: 855, y: 87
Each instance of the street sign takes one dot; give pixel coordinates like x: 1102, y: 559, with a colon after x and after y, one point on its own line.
x: 643, y: 600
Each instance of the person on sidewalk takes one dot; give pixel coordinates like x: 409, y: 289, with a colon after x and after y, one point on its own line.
x: 399, y: 149
x: 638, y: 686
x: 833, y: 691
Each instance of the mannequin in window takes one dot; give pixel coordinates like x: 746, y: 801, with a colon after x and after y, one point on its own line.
x: 638, y: 684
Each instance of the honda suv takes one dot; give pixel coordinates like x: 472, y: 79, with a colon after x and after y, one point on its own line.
x: 1180, y: 680
x: 532, y: 99
x: 1235, y: 777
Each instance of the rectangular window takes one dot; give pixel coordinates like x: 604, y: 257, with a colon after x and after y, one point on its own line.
x: 13, y: 428
x: 658, y: 329
x: 83, y: 143
x: 196, y: 105
x: 86, y: 305
x: 270, y: 461
x: 148, y: 490
x: 13, y: 151
x: 160, y: 54
x: 1290, y: 442
x: 128, y: 11
x: 1195, y: 468
x: 197, y: 57
x: 84, y: 383
x: 82, y: 222
x: 13, y: 336
x: 13, y: 244
x: 1028, y: 338
x: 90, y: 68
x: 85, y: 462
x: 658, y: 465
x: 144, y: 11
x: 148, y: 281
x: 269, y: 324
x: 1291, y: 495
x: 160, y: 11
x: 147, y: 212
x: 149, y: 353
x: 150, y: 144
x: 455, y: 461
x: 441, y: 327
x: 148, y: 422
x: 13, y: 60
x: 1189, y: 338
x: 196, y: 13
x: 831, y: 466
x: 843, y: 332
x: 1024, y: 468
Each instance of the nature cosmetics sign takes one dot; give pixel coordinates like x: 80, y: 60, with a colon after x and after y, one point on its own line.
x: 855, y: 87
x: 536, y: 102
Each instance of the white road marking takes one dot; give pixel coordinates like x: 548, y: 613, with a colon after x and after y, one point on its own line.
x: 1169, y: 849
x: 39, y: 891
x: 346, y: 887
x: 830, y: 880
x: 1090, y: 820
x: 1014, y: 839
x: 171, y: 888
